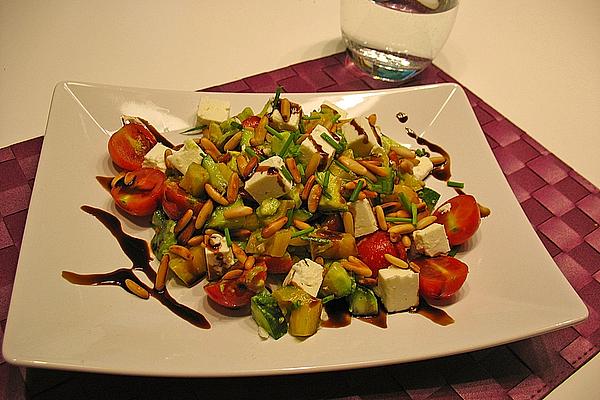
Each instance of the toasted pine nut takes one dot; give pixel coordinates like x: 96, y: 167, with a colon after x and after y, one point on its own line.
x: 483, y: 210
x: 137, y: 289
x: 414, y: 161
x: 285, y: 109
x: 357, y: 261
x: 249, y: 263
x: 350, y: 185
x: 368, y: 281
x: 406, y: 241
x: 414, y: 267
x: 357, y: 269
x: 313, y: 164
x: 233, y: 142
x: 426, y: 221
x: 186, y: 233
x: 300, y: 224
x: 241, y: 233
x: 399, y: 214
x: 293, y: 168
x: 437, y: 160
x: 183, y: 221
x: 181, y: 251
x: 216, y: 196
x: 308, y: 187
x: 237, y: 212
x: 402, y: 228
x: 357, y: 167
x: 241, y: 163
x: 274, y: 227
x: 128, y: 178
x: 238, y: 252
x: 394, y: 237
x: 372, y: 119
x: 391, y: 205
x: 348, y: 220
x: 210, y: 148
x: 314, y: 197
x: 260, y: 132
x: 205, y: 211
x: 302, y: 138
x: 395, y: 261
x: 161, y: 274
x: 319, y: 260
x: 403, y: 152
x: 196, y: 240
x: 233, y: 188
x: 210, y: 231
x: 406, y: 166
x: 232, y: 274
x: 362, y: 195
x: 116, y: 179
x: 377, y: 170
x: 380, y: 218
x: 370, y: 194
x: 249, y: 168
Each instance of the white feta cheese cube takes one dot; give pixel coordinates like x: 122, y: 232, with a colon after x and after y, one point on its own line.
x: 189, y: 153
x: 219, y: 256
x: 155, y: 158
x: 432, y: 240
x: 343, y: 113
x: 314, y: 143
x: 423, y: 168
x: 364, y: 218
x: 306, y: 275
x: 268, y: 181
x: 291, y: 124
x: 397, y: 288
x: 362, y: 138
x: 212, y: 110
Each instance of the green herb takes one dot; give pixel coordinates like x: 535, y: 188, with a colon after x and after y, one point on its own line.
x: 459, y: 185
x: 286, y: 146
x: 195, y: 128
x: 336, y: 117
x: 274, y: 132
x: 302, y: 232
x: 311, y: 118
x: 420, y: 152
x: 228, y: 237
x: 326, y: 179
x: 356, y: 191
x: 276, y: 98
x: 251, y: 152
x: 290, y: 216
x: 341, y: 166
x: 327, y: 299
x: 236, y: 125
x: 453, y: 251
x: 316, y: 239
x: 429, y: 197
x: 406, y: 204
x: 286, y: 173
x: 413, y: 210
x: 338, y: 148
x: 300, y: 169
x: 398, y: 219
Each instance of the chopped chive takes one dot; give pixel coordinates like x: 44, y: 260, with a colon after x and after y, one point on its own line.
x: 311, y: 118
x: 315, y: 239
x: 338, y: 148
x: 290, y: 216
x: 398, y: 219
x: 459, y: 185
x: 302, y: 232
x: 195, y: 128
x: 336, y: 117
x: 276, y: 98
x: 251, y: 152
x: 420, y: 152
x: 356, y: 191
x: 453, y: 251
x: 413, y: 210
x: 236, y: 125
x: 286, y: 146
x: 274, y: 132
x: 300, y: 169
x: 228, y: 237
x: 405, y: 203
x: 327, y: 299
x: 286, y: 173
x: 326, y: 179
x: 341, y: 166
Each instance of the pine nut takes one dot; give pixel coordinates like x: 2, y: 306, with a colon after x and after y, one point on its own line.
x: 348, y: 220
x: 249, y: 168
x: 314, y: 197
x: 368, y: 282
x: 377, y: 170
x: 274, y: 227
x: 186, y: 233
x: 357, y: 269
x: 233, y: 188
x: 406, y: 166
x: 380, y: 218
x: 402, y: 228
x: 195, y: 240
x: 238, y: 253
x: 357, y: 167
x: 372, y: 119
x: 313, y: 164
x: 210, y: 148
x: 300, y: 224
x: 293, y: 168
x: 406, y: 241
x: 357, y: 261
x: 302, y: 138
x: 128, y: 178
x: 350, y: 185
x: 116, y: 179
x: 260, y: 132
x: 308, y: 187
x: 183, y: 221
x: 483, y: 210
x: 181, y: 251
x: 232, y: 274
x: 233, y: 142
x: 249, y: 263
x: 395, y: 261
x: 241, y: 163
x: 414, y: 267
x: 137, y: 289
x: 161, y: 274
x: 216, y: 196
x: 285, y: 109
x: 403, y: 152
x: 319, y: 260
x: 392, y: 205
x: 437, y: 160
x: 426, y: 221
x: 205, y: 211
x: 237, y: 212
x: 399, y: 214
x: 241, y: 233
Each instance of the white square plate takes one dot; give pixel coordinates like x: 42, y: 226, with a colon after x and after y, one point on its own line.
x: 514, y: 289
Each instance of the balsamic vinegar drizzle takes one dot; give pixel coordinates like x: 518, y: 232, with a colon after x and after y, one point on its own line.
x: 138, y: 251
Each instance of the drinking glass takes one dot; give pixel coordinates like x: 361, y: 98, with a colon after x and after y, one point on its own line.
x: 395, y: 40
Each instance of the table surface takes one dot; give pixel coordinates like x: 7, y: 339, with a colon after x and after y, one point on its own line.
x: 535, y: 62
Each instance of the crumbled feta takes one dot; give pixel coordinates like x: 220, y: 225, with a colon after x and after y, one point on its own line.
x: 343, y: 113
x: 267, y: 180
x: 314, y: 143
x: 291, y: 124
x: 423, y: 168
x: 212, y: 110
x: 398, y: 288
x: 364, y: 218
x: 306, y: 275
x: 155, y: 158
x: 362, y: 138
x: 219, y: 256
x: 432, y: 240
x: 189, y: 153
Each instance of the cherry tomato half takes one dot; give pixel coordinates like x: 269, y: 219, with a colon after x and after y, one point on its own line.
x: 128, y: 146
x: 251, y: 122
x: 440, y: 277
x: 461, y: 220
x: 236, y: 293
x: 277, y: 265
x: 142, y: 196
x: 373, y: 247
x: 176, y: 201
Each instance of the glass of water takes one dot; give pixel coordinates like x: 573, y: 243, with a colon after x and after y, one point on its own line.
x: 395, y: 40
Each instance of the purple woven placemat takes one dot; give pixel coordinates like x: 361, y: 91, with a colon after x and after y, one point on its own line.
x: 561, y: 205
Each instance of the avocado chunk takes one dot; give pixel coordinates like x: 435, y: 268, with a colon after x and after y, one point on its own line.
x: 218, y: 221
x: 337, y: 282
x: 194, y: 179
x: 215, y: 174
x: 302, y: 310
x: 189, y: 271
x: 268, y: 315
x: 363, y: 302
x: 164, y: 235
x: 332, y: 200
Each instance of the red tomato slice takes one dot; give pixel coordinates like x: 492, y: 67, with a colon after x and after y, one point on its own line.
x: 176, y: 201
x: 373, y: 247
x: 441, y: 277
x: 236, y: 293
x: 251, y: 122
x: 461, y: 220
x: 128, y: 146
x: 277, y: 265
x: 143, y: 195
